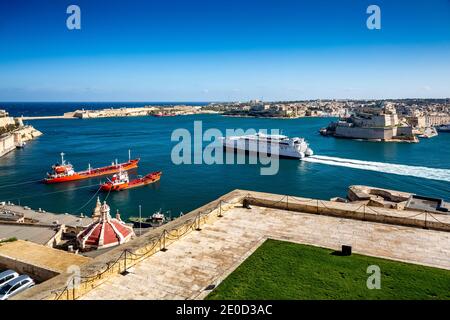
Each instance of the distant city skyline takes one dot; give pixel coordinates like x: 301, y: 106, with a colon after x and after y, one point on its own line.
x: 223, y: 51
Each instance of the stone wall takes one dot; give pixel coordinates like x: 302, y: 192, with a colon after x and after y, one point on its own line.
x: 5, y: 121
x: 366, y: 133
x: 405, y: 131
x: 26, y: 133
x: 357, y: 211
x: 6, y: 144
x: 37, y: 273
x: 39, y: 262
x: 374, y: 133
x: 18, y: 134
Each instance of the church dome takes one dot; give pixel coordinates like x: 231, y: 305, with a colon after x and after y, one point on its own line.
x: 105, y: 231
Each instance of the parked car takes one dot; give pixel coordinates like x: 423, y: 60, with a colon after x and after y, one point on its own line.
x: 14, y: 286
x: 7, y: 275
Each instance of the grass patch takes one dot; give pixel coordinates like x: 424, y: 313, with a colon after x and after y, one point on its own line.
x: 8, y: 240
x: 284, y: 270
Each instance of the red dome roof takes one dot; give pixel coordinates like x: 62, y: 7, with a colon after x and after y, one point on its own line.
x: 104, y: 232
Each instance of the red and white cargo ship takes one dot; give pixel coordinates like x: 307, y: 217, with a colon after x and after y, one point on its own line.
x: 65, y: 172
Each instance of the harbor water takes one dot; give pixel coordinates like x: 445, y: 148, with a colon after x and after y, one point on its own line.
x: 422, y: 168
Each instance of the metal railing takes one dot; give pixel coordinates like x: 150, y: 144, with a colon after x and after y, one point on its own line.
x: 127, y: 258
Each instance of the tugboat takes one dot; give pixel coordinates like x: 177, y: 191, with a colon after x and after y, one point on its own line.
x: 64, y: 171
x: 121, y: 181
x: 157, y: 219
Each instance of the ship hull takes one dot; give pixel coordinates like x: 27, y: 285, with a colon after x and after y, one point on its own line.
x: 148, y: 179
x: 256, y: 153
x: 255, y: 149
x: 94, y: 172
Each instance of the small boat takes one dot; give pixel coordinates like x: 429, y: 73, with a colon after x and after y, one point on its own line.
x: 121, y: 181
x: 429, y: 132
x: 443, y: 128
x: 65, y: 172
x: 158, y: 217
x: 21, y: 145
x: 156, y: 220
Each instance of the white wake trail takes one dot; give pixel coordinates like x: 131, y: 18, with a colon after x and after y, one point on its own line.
x: 400, y: 169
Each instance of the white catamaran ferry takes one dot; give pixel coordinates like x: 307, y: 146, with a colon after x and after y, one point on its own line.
x: 283, y: 146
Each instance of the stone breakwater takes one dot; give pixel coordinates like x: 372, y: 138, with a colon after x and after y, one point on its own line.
x: 137, y: 112
x: 158, y: 111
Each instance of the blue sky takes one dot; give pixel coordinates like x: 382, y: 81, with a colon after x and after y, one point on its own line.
x: 217, y: 50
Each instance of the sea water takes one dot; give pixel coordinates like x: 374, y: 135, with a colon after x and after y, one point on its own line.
x: 422, y: 168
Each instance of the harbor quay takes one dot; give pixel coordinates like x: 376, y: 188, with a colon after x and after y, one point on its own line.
x: 190, y: 256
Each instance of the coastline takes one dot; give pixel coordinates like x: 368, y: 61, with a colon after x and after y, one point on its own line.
x: 283, y: 118
x: 156, y: 111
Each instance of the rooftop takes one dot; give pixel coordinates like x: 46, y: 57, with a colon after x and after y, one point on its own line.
x: 41, y: 256
x: 37, y: 234
x: 48, y: 218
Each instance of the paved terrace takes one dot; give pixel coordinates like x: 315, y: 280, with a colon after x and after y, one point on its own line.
x: 205, y: 257
x: 201, y: 258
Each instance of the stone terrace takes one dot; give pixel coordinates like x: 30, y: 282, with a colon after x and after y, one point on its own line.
x: 206, y: 257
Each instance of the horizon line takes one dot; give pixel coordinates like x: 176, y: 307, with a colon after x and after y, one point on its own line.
x: 225, y: 101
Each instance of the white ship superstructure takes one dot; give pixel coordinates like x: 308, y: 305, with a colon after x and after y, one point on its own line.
x: 260, y: 143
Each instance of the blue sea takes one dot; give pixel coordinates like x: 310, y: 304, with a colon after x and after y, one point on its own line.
x: 424, y: 167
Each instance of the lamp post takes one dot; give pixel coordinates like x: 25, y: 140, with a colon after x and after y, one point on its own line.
x: 140, y: 221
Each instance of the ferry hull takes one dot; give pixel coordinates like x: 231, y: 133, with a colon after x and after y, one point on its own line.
x: 256, y: 153
x: 94, y: 172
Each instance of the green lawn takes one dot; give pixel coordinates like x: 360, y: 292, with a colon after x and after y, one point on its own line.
x: 284, y: 270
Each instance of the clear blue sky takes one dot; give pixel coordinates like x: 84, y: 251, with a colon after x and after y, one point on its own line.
x: 217, y: 50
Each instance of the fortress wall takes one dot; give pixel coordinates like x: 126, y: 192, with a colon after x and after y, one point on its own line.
x: 6, y: 144
x: 366, y: 133
x: 5, y: 121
